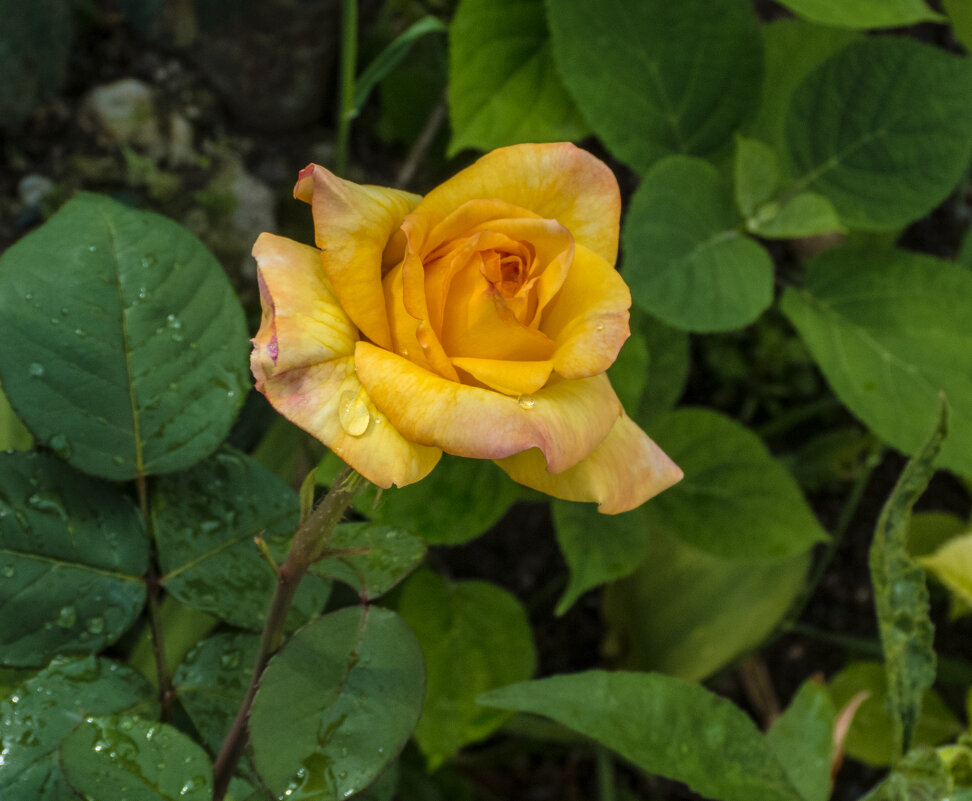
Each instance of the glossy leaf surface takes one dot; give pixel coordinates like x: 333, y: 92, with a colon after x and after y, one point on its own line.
x: 337, y: 704
x: 125, y: 345
x: 60, y: 697
x: 72, y: 555
x: 205, y: 521
x: 128, y: 757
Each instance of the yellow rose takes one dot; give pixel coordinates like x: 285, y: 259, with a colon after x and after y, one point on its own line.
x: 478, y: 320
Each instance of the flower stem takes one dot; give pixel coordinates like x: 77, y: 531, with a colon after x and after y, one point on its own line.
x: 349, y: 59
x: 308, y: 544
x: 152, y: 587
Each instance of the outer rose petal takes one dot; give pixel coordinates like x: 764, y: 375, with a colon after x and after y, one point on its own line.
x: 588, y: 319
x: 302, y: 361
x: 566, y: 420
x: 511, y: 378
x: 623, y: 472
x: 558, y: 181
x: 352, y: 226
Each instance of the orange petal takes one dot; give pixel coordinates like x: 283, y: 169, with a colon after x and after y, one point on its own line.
x: 566, y: 420
x: 353, y: 224
x: 477, y: 322
x: 510, y: 378
x: 588, y: 319
x: 556, y: 181
x: 623, y: 472
x: 327, y: 401
x: 412, y: 337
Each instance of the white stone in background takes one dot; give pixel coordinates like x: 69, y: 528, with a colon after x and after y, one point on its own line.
x: 33, y: 188
x: 124, y: 112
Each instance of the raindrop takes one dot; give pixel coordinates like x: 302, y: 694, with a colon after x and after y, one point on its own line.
x: 92, y: 248
x: 7, y: 571
x: 96, y: 625
x: 118, y: 459
x: 177, y: 337
x: 36, y: 370
x: 64, y: 311
x: 148, y: 260
x: 142, y: 293
x: 173, y: 322
x: 526, y: 401
x: 80, y: 333
x: 60, y: 445
x: 599, y: 327
x: 354, y: 415
x: 47, y: 502
x: 67, y: 617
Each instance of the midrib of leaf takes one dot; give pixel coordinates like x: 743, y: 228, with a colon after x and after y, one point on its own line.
x: 126, y: 344
x: 862, y: 334
x: 67, y: 563
x: 246, y: 534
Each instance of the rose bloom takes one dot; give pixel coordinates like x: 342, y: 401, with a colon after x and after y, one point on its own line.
x: 477, y: 320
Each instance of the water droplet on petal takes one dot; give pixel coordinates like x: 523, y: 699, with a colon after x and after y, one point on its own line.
x: 526, y: 401
x: 353, y: 413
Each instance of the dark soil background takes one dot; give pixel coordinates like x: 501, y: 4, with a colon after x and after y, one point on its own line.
x: 239, y: 105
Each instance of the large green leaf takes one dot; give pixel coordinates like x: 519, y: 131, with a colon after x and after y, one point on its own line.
x: 654, y: 77
x: 72, y: 555
x: 127, y: 757
x: 474, y: 636
x: 793, y: 49
x: 212, y: 682
x: 803, y: 740
x: 901, y: 595
x: 664, y: 726
x: 205, y: 521
x: 864, y: 13
x: 503, y: 87
x: 45, y: 709
x: 337, y: 704
x: 736, y: 500
x: 688, y: 613
x: 871, y: 735
x: 34, y: 52
x: 891, y: 330
x: 685, y: 258
x: 124, y: 345
x: 392, y: 553
x: 883, y: 129
x: 598, y: 548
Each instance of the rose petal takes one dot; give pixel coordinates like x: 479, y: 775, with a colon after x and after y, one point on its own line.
x: 353, y: 224
x: 556, y: 181
x: 412, y: 337
x: 623, y: 472
x: 303, y: 362
x: 588, y: 319
x: 477, y: 322
x: 510, y: 378
x: 566, y: 420
x: 327, y: 401
x: 303, y: 323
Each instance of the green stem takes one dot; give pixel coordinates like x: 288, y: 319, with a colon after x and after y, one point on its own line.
x: 605, y: 774
x: 152, y: 590
x: 349, y: 59
x: 308, y: 544
x: 872, y: 460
